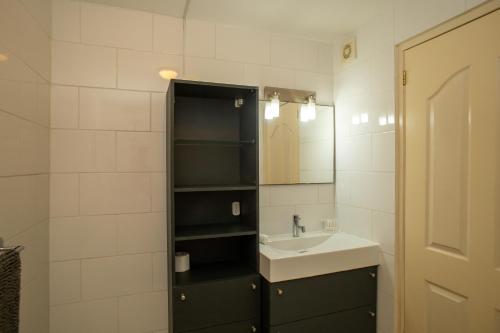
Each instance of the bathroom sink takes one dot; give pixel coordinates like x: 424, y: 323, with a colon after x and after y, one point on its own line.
x: 283, y: 257
x: 297, y: 244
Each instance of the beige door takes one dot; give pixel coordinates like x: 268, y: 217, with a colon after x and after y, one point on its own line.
x: 452, y: 192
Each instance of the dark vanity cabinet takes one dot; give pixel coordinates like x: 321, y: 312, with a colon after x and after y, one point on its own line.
x: 343, y: 302
x: 212, y: 154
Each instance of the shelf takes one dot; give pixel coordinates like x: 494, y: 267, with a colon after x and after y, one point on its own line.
x: 214, y: 188
x: 213, y: 272
x: 209, y: 231
x: 186, y: 142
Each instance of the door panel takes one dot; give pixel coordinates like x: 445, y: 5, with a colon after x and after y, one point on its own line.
x: 448, y: 161
x: 452, y: 181
x: 446, y: 310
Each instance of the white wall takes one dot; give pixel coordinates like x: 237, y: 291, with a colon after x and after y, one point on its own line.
x: 108, y: 238
x: 365, y: 198
x: 24, y: 150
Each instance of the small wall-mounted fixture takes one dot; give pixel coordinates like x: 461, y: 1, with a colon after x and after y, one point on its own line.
x: 167, y: 74
x: 272, y: 109
x: 4, y: 57
x: 349, y: 51
x: 308, y: 110
x: 238, y: 102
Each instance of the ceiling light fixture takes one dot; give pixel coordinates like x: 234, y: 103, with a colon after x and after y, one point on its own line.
x: 168, y: 74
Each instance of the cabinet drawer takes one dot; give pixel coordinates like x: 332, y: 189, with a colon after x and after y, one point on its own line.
x: 249, y: 326
x: 304, y: 298
x: 215, y: 303
x: 361, y: 320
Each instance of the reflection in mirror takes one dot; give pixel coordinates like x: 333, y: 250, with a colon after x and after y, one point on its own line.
x: 294, y: 151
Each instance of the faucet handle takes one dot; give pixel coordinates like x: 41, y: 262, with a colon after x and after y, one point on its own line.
x: 296, y: 217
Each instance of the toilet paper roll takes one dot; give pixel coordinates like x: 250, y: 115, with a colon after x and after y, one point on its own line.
x: 181, y: 262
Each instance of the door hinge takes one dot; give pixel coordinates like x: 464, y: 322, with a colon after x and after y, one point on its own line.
x: 404, y: 78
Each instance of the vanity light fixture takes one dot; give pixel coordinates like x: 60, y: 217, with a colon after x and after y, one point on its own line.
x: 3, y: 57
x: 167, y: 74
x: 272, y: 109
x: 364, y: 118
x: 308, y: 110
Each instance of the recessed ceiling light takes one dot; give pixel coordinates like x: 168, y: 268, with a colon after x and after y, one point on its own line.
x: 3, y: 57
x: 168, y: 74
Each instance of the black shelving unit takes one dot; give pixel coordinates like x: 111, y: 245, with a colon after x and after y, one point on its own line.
x: 212, y: 152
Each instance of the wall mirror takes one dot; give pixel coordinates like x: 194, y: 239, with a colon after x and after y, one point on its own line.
x: 293, y: 148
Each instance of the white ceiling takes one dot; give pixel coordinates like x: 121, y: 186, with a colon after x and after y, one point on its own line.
x: 317, y: 19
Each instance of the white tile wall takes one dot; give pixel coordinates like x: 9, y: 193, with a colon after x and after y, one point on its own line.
x: 83, y: 65
x: 168, y: 34
x: 112, y: 26
x: 116, y: 276
x: 114, y: 109
x: 243, y: 45
x: 139, y: 70
x: 66, y: 20
x: 65, y: 282
x: 24, y: 148
x: 205, y: 69
x: 278, y: 204
x: 64, y: 107
x: 114, y: 193
x: 82, y: 151
x: 140, y: 151
x: 143, y: 312
x: 95, y: 316
x: 64, y: 196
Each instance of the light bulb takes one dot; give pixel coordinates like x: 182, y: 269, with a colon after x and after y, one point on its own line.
x: 304, y: 113
x: 275, y: 105
x: 268, y: 114
x: 311, y: 108
x: 168, y: 74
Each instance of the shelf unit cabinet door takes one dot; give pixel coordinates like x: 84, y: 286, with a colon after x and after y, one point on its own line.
x: 305, y: 298
x: 249, y: 326
x: 361, y: 320
x: 215, y: 303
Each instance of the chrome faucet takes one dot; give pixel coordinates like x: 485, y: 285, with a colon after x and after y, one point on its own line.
x: 296, y: 226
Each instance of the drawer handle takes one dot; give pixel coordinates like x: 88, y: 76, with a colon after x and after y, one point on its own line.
x: 373, y: 275
x: 254, y: 329
x: 280, y: 292
x: 371, y: 313
x: 254, y: 286
x: 183, y: 297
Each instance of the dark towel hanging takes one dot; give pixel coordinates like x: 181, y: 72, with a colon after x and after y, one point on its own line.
x: 10, y: 289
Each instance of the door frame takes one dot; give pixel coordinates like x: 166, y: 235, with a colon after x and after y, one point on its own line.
x: 456, y: 22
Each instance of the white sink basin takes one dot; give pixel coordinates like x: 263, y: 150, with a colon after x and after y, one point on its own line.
x: 284, y: 257
x: 297, y: 244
